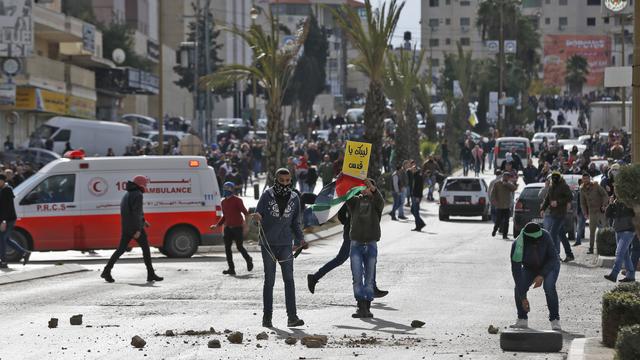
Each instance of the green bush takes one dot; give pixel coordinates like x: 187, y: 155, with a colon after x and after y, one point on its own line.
x: 620, y: 307
x: 627, y: 185
x: 428, y: 148
x: 606, y: 241
x: 628, y: 343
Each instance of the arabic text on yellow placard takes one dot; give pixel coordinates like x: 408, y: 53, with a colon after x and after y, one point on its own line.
x: 356, y: 159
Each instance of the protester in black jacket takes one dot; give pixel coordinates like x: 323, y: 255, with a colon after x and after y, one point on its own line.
x: 133, y: 225
x: 417, y: 189
x: 7, y: 222
x: 622, y: 216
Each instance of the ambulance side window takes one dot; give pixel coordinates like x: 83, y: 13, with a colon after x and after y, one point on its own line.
x: 54, y: 189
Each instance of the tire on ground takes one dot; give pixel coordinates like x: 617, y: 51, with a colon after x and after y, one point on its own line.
x: 443, y: 217
x: 181, y: 242
x: 20, y: 238
x: 530, y: 340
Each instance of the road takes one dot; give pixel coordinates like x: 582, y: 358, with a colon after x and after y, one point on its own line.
x: 453, y: 276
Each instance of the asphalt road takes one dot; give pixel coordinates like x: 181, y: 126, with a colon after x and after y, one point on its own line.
x: 453, y: 276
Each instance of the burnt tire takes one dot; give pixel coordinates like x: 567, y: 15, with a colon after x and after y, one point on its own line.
x: 443, y: 217
x: 181, y: 242
x: 530, y: 340
x: 11, y: 254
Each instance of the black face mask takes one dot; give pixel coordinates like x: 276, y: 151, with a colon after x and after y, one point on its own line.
x: 555, y: 179
x: 282, y: 190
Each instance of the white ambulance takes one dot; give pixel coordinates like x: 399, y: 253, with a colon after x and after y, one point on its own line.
x: 73, y: 203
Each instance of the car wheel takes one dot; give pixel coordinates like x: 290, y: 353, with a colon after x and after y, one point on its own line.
x: 181, y: 242
x: 443, y: 217
x: 19, y: 237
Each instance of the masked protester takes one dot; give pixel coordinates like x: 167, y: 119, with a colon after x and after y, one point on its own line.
x: 534, y: 260
x: 279, y: 212
x: 232, y: 210
x: 133, y: 228
x: 557, y: 200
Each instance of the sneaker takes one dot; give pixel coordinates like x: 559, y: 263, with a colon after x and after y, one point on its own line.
x: 294, y: 322
x: 154, y: 277
x: 377, y: 293
x: 577, y: 243
x: 249, y: 265
x: 520, y: 324
x: 610, y: 278
x: 590, y: 251
x: 569, y: 258
x: 361, y: 310
x: 555, y: 325
x: 311, y: 283
x: 107, y: 277
x: 403, y: 218
x: 229, y: 272
x: 3, y: 265
x: 625, y: 280
x: 266, y: 321
x: 493, y: 233
x: 25, y: 257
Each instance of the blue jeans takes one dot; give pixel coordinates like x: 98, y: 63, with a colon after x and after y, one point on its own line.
x: 635, y: 251
x: 523, y: 284
x: 363, y: 269
x: 403, y: 197
x: 623, y: 254
x: 447, y: 164
x: 5, y: 239
x: 397, y: 203
x: 342, y: 256
x: 466, y: 164
x: 582, y: 222
x: 490, y: 156
x: 281, y: 253
x: 558, y: 234
x: 415, y: 211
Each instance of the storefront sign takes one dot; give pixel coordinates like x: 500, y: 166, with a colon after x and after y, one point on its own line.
x: 81, y: 107
x: 153, y: 50
x: 16, y: 28
x: 8, y: 94
x: 36, y: 99
x: 89, y: 38
x: 559, y: 48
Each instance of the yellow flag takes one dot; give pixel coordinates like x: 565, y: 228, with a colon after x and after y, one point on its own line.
x: 473, y: 120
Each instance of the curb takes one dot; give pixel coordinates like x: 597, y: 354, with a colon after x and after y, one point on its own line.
x: 589, y: 349
x: 606, y: 261
x: 576, y: 351
x: 46, y: 272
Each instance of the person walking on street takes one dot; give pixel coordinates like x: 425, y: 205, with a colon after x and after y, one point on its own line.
x: 326, y: 171
x: 366, y: 212
x: 557, y: 200
x: 7, y: 222
x: 278, y: 211
x: 444, y: 150
x: 416, y: 196
x: 501, y: 200
x: 232, y: 211
x: 535, y: 261
x: 398, y: 186
x: 133, y: 226
x: 478, y: 157
x: 622, y: 216
x: 593, y: 202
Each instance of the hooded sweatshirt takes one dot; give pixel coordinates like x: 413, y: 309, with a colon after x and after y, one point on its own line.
x: 131, y: 213
x: 281, y: 229
x: 539, y: 256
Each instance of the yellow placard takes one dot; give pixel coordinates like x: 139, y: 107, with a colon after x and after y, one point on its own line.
x: 356, y: 159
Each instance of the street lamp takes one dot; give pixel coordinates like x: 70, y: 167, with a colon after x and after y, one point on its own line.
x: 255, y: 11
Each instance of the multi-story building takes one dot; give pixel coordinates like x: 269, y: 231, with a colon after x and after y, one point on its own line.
x: 446, y: 22
x: 56, y: 77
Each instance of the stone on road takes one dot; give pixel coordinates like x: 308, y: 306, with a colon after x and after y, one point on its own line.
x: 138, y: 342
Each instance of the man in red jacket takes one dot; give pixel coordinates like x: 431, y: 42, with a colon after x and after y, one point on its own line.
x: 232, y: 211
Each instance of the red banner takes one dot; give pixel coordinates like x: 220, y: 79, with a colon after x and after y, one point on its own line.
x: 559, y: 48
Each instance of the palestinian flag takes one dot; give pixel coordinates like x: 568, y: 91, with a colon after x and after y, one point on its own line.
x: 331, y: 198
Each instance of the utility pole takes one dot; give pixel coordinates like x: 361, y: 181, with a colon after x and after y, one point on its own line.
x: 196, y: 65
x: 207, y: 66
x: 254, y: 112
x: 501, y: 69
x: 624, y: 88
x: 635, y: 128
x: 161, y: 82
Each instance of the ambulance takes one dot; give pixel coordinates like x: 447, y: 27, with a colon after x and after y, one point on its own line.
x: 73, y: 203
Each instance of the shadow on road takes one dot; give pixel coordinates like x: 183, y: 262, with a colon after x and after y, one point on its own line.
x: 146, y: 284
x: 283, y: 334
x: 381, y: 325
x: 131, y: 260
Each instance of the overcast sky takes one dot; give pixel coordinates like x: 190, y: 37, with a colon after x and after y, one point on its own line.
x: 409, y: 21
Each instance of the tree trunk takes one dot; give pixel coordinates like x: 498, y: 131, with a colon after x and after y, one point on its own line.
x: 403, y: 152
x: 374, y: 126
x: 275, y: 139
x: 413, y: 135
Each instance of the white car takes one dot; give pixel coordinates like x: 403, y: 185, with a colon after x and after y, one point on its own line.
x: 464, y: 196
x: 537, y: 139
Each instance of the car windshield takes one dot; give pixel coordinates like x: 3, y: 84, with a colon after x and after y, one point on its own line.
x: 563, y: 133
x: 45, y: 131
x: 463, y: 185
x: 530, y: 193
x: 507, y: 146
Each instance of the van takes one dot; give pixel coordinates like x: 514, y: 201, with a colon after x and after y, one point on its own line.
x: 140, y: 122
x: 73, y: 203
x: 566, y: 132
x: 93, y: 136
x: 521, y: 145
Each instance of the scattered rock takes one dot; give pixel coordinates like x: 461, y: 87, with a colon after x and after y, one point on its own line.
x: 235, y: 337
x: 417, y: 324
x: 493, y: 330
x: 138, y: 342
x: 322, y: 339
x: 262, y: 336
x: 76, y: 319
x: 169, y: 333
x: 313, y: 344
x: 258, y: 346
x: 291, y: 340
x: 214, y: 344
x: 53, y: 323
x: 227, y: 331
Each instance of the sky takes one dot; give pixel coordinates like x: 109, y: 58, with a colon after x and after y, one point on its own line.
x: 409, y: 21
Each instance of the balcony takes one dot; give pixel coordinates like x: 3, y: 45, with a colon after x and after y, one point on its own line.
x: 55, y: 26
x: 128, y: 80
x: 43, y: 72
x: 81, y: 77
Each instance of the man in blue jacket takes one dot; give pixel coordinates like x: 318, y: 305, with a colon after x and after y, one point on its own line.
x: 279, y: 212
x: 534, y: 260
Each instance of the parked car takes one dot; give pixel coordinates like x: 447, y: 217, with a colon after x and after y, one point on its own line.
x: 174, y: 136
x: 506, y: 144
x: 35, y: 156
x: 567, y: 131
x: 143, y: 123
x: 527, y: 207
x: 464, y: 196
x: 537, y: 139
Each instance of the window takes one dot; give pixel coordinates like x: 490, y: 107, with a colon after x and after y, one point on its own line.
x: 547, y: 21
x: 447, y: 2
x: 435, y: 62
x: 447, y: 41
x: 434, y: 22
x: 62, y: 135
x: 54, y: 189
x: 591, y: 21
x: 463, y: 185
x: 434, y: 42
x: 606, y: 20
x: 434, y: 3
x: 447, y: 21
x: 547, y: 2
x: 465, y: 41
x: 593, y: 2
x: 563, y: 21
x: 465, y: 21
x: 465, y: 3
x: 563, y: 2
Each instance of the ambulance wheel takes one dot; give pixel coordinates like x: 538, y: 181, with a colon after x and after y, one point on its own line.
x: 19, y: 237
x: 181, y: 242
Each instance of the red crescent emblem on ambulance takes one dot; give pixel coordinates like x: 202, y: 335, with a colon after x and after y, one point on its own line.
x: 98, y: 186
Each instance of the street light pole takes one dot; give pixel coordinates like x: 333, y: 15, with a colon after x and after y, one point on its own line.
x: 254, y: 16
x: 207, y: 66
x: 501, y: 66
x: 624, y: 88
x: 161, y: 81
x: 635, y: 128
x: 196, y: 65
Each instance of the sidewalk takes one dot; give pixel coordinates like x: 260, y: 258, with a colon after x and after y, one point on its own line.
x: 589, y: 349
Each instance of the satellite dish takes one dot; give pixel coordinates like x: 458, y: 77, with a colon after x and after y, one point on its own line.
x: 118, y: 56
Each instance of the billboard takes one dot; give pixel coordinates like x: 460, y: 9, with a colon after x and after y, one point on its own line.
x: 16, y: 27
x: 559, y: 48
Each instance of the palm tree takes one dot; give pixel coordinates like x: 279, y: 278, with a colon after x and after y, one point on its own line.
x: 576, y: 73
x: 273, y: 68
x: 400, y: 83
x: 423, y: 98
x: 370, y: 36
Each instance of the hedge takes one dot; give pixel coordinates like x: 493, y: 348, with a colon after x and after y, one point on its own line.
x: 606, y: 241
x: 620, y: 307
x: 628, y: 343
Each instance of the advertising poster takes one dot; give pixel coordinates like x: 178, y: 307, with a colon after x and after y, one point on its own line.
x: 559, y: 48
